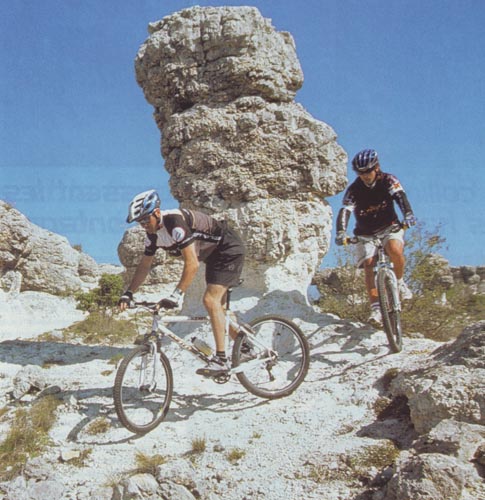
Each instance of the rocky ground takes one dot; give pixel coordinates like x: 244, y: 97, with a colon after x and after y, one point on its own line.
x: 346, y: 433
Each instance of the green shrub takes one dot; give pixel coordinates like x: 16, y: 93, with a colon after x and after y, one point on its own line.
x: 103, y: 298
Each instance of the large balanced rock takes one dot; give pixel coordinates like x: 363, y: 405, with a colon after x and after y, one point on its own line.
x: 222, y: 82
x: 202, y: 55
x: 32, y: 258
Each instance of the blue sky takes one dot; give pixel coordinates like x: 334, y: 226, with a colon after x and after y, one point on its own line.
x: 404, y: 77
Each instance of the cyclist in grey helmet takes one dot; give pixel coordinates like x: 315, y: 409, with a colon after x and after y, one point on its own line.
x: 371, y: 199
x: 196, y: 237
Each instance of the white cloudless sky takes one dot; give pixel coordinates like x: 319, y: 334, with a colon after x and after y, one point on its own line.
x: 78, y: 140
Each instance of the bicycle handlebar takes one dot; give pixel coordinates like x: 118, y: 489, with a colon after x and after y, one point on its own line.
x: 151, y: 306
x: 352, y: 240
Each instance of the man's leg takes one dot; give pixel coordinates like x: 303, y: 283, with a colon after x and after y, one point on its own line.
x: 370, y: 280
x: 395, y: 250
x: 233, y: 332
x: 213, y: 299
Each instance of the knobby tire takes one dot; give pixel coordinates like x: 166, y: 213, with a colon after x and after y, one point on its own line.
x: 391, y: 316
x: 279, y: 377
x: 139, y: 411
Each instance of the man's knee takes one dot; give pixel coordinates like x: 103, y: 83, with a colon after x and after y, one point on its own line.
x: 208, y: 301
x: 394, y: 247
x: 212, y: 298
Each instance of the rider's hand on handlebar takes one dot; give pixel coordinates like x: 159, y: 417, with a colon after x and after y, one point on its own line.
x: 125, y: 300
x: 341, y: 238
x: 173, y: 301
x: 409, y: 220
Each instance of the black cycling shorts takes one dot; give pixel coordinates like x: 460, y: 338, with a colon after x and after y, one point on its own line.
x: 224, y: 265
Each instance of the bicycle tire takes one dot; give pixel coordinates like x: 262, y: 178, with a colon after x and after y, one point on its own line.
x: 391, y: 315
x: 279, y: 377
x: 139, y: 408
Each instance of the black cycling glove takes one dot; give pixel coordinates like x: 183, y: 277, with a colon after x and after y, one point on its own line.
x: 126, y: 298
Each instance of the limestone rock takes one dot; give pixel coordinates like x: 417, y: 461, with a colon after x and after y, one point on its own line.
x: 452, y: 438
x: 140, y: 486
x: 479, y: 454
x: 426, y: 476
x: 216, y: 54
x: 222, y: 82
x: 30, y: 377
x: 250, y: 150
x: 11, y: 282
x: 45, y: 261
x: 451, y: 385
x: 443, y: 276
x: 166, y: 269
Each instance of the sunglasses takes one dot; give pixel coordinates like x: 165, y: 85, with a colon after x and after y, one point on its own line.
x: 145, y: 220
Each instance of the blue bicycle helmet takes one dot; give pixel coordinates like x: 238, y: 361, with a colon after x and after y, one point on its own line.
x: 365, y: 161
x: 143, y: 204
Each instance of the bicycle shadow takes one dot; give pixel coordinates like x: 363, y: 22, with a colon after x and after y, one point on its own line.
x: 94, y: 404
x: 184, y: 406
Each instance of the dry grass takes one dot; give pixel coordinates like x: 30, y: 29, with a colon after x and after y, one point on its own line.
x: 98, y: 426
x: 99, y: 328
x: 199, y: 445
x: 27, y: 437
x: 235, y: 455
x: 148, y: 464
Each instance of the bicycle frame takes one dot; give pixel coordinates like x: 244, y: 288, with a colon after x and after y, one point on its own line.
x: 158, y: 326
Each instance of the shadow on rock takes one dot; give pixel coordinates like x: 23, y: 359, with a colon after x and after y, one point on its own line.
x: 27, y: 352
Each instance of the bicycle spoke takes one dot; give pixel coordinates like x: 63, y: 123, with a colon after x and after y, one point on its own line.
x: 278, y: 360
x: 143, y: 389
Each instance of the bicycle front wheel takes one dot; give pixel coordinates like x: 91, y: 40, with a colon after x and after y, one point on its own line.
x: 276, y: 362
x: 390, y: 309
x: 143, y: 389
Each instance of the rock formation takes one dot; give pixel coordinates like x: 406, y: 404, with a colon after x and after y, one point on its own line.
x: 222, y: 82
x: 446, y: 398
x: 166, y: 269
x: 32, y: 258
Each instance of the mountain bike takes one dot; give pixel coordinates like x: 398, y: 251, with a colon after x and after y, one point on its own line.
x: 387, y: 289
x: 270, y: 358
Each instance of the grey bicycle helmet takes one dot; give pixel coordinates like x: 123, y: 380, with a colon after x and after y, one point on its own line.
x: 143, y: 204
x: 365, y: 161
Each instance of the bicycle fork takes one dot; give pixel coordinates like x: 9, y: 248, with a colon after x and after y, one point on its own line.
x: 144, y: 382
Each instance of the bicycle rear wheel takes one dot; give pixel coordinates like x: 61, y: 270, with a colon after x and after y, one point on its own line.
x: 277, y: 361
x: 390, y: 309
x: 143, y: 389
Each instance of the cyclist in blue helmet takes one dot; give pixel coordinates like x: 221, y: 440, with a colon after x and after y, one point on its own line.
x: 196, y: 237
x: 371, y: 199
